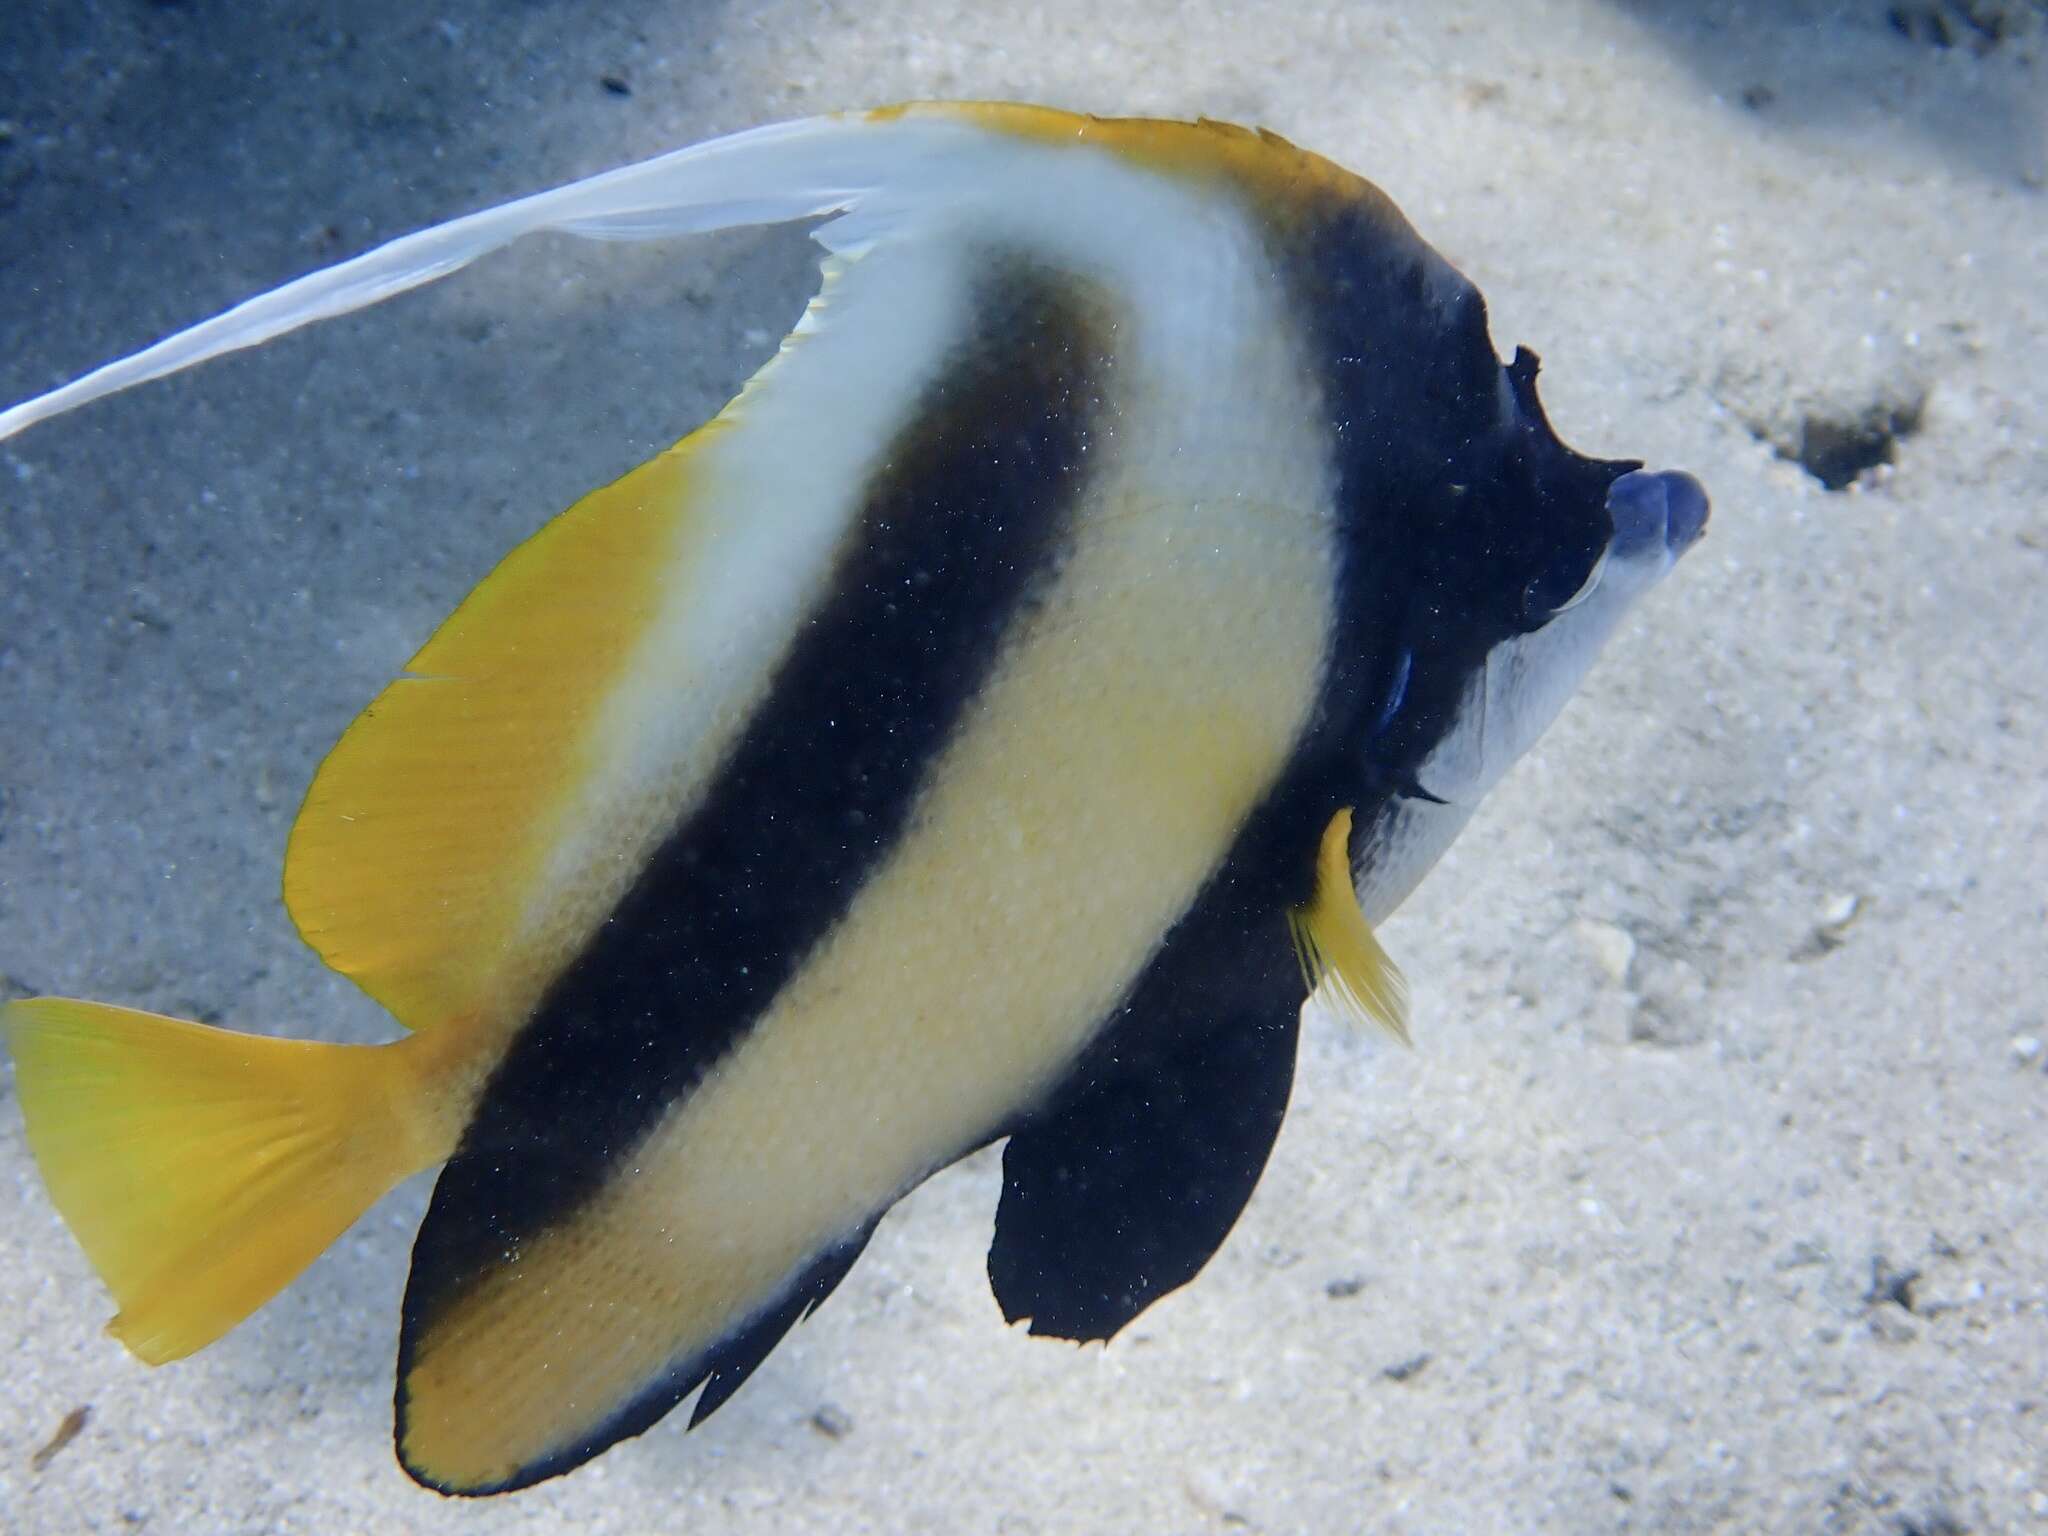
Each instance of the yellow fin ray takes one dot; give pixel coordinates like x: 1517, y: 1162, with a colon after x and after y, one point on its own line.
x: 1341, y: 957
x: 201, y: 1168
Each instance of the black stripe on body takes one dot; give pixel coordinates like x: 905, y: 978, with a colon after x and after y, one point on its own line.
x: 1453, y: 497
x: 967, y: 516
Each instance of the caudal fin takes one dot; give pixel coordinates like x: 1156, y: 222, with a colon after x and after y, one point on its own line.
x: 202, y: 1169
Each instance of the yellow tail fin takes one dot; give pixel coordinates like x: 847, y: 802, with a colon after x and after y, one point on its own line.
x: 202, y: 1169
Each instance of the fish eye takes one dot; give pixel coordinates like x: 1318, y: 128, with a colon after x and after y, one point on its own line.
x: 1567, y: 583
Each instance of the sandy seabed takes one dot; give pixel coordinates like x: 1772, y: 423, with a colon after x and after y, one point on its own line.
x: 1711, y: 1197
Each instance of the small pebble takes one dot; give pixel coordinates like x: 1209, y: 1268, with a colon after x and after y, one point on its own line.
x: 1801, y: 1254
x: 1890, y: 1285
x: 1840, y: 909
x: 2026, y: 1049
x: 1214, y: 1494
x: 68, y: 1431
x: 1838, y: 913
x: 1612, y: 947
x: 832, y: 1421
x: 1406, y: 1370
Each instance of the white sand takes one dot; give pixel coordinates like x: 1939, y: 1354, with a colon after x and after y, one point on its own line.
x: 1667, y: 1108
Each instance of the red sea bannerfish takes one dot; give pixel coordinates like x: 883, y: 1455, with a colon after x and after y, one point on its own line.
x: 1115, y: 594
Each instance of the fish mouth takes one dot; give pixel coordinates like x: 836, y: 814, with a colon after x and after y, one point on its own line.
x: 1664, y: 510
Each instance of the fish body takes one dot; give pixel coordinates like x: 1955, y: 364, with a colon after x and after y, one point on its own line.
x: 1136, y: 556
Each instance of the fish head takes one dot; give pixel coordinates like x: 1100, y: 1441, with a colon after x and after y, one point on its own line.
x: 1535, y: 563
x: 1514, y: 576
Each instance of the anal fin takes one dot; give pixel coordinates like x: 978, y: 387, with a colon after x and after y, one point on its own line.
x: 523, y: 1357
x: 1127, y: 1187
x: 725, y: 1368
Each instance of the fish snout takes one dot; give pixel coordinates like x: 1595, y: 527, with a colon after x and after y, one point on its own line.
x: 1652, y: 509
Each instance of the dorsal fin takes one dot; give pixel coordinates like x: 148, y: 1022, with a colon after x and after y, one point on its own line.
x: 870, y: 168
x: 423, y: 834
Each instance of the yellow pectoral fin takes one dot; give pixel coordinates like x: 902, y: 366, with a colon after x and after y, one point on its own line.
x: 1341, y: 957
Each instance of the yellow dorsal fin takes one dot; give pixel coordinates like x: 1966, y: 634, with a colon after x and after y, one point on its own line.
x: 1341, y: 958
x: 422, y: 837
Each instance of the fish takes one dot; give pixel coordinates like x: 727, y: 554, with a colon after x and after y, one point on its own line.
x: 1045, y: 675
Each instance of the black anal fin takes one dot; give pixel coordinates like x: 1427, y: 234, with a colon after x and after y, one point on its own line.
x: 728, y: 1364
x: 1128, y: 1186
